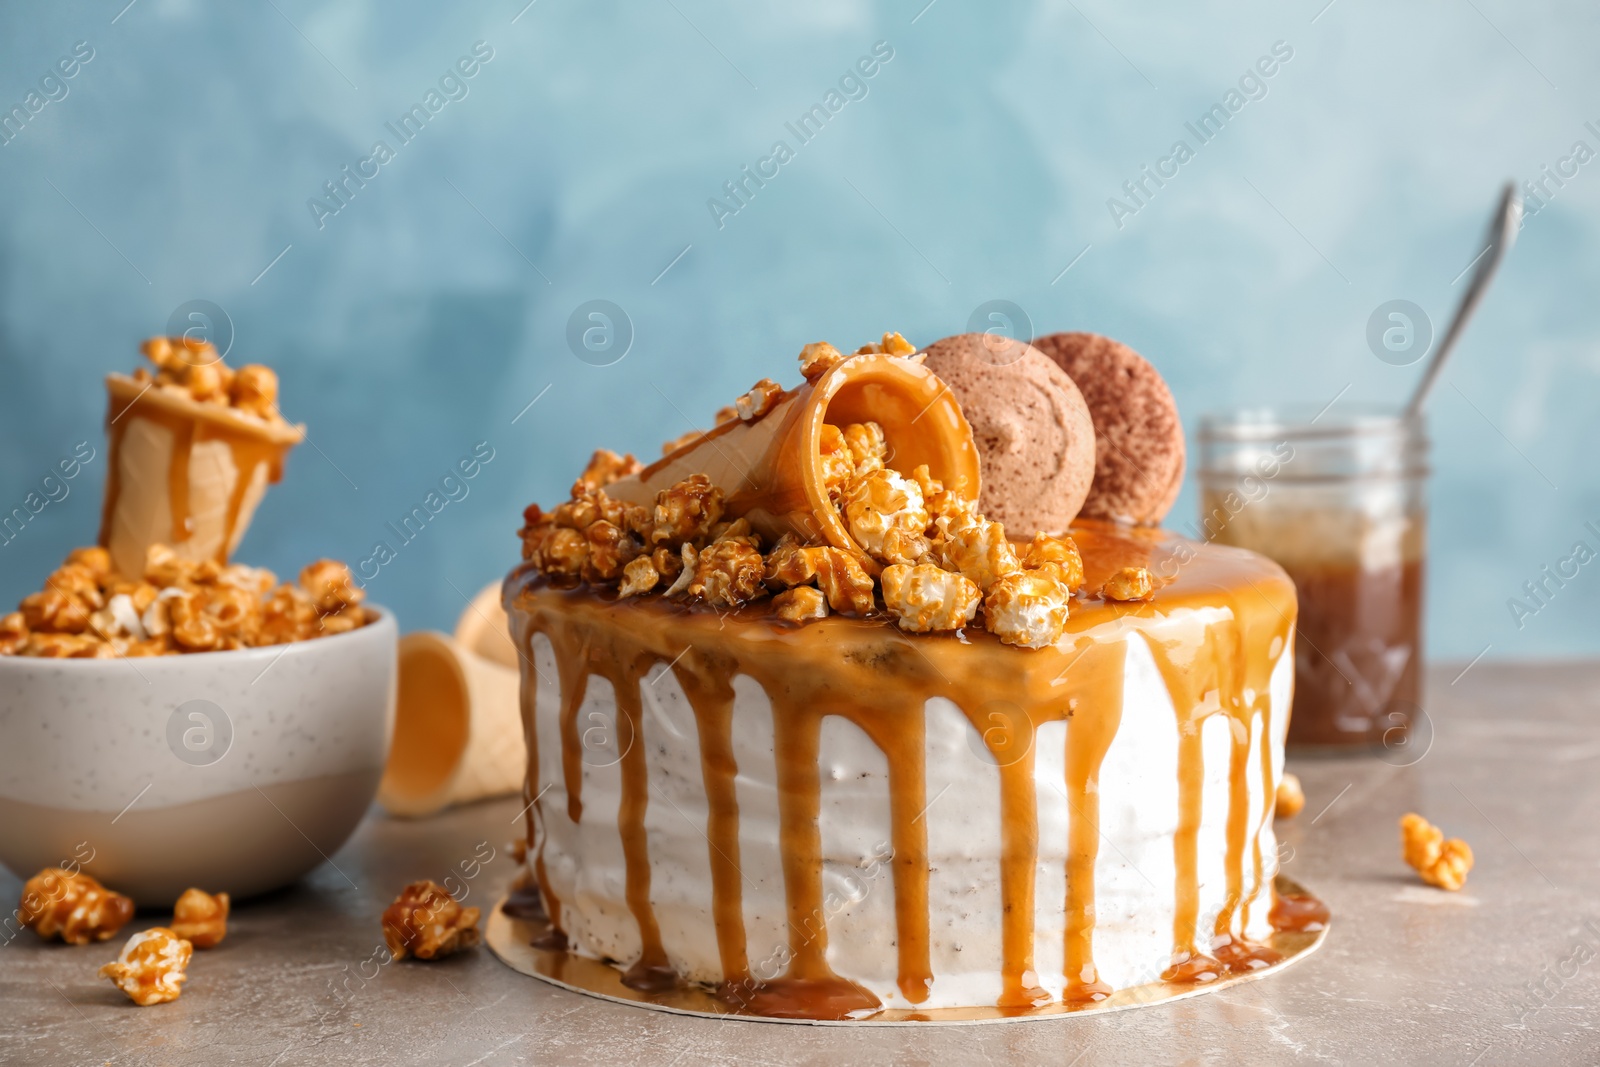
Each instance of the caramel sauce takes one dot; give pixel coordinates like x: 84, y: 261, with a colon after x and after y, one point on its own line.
x: 191, y: 423
x: 1358, y: 668
x: 1297, y: 912
x: 869, y: 673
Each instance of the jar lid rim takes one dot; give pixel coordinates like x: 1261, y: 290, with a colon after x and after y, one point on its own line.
x: 1306, y: 421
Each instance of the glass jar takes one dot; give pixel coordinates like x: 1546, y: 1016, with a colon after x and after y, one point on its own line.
x: 1338, y: 500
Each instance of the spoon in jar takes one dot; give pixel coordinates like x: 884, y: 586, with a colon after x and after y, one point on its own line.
x: 1502, y: 235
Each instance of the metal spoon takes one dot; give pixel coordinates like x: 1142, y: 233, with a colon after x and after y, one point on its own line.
x: 1502, y: 234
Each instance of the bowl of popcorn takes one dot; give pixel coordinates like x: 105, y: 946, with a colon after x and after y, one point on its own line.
x: 199, y: 724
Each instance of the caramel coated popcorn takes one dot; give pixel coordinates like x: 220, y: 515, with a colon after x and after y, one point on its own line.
x: 1027, y: 609
x: 1440, y: 862
x: 426, y: 922
x: 73, y: 906
x: 818, y: 358
x: 605, y: 467
x: 200, y: 918
x: 1057, y: 555
x: 151, y: 967
x: 892, y: 344
x: 89, y: 611
x: 920, y: 552
x: 728, y: 574
x: 980, y: 551
x: 194, y: 368
x: 762, y: 398
x: 844, y: 581
x: 1130, y: 583
x: 869, y: 449
x: 884, y: 513
x: 800, y: 604
x: 926, y: 598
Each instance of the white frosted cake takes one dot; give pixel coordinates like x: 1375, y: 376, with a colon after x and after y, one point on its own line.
x: 1042, y: 785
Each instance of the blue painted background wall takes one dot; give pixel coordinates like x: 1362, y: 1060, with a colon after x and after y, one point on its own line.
x: 975, y: 164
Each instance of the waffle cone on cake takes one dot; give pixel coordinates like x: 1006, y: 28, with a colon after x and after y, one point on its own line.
x: 769, y: 468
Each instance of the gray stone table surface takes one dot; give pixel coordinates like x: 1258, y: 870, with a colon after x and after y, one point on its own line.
x: 1506, y: 971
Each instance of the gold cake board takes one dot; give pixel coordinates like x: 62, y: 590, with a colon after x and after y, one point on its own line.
x: 509, y: 939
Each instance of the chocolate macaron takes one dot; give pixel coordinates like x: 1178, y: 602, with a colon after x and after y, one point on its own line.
x: 1035, y: 436
x: 1140, y: 451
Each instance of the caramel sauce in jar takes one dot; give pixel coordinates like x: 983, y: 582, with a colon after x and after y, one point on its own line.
x: 1337, y: 499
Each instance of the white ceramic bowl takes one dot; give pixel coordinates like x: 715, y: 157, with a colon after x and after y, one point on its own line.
x: 229, y: 771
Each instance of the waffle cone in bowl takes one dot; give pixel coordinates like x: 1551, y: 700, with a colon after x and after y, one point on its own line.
x: 770, y: 469
x: 183, y: 473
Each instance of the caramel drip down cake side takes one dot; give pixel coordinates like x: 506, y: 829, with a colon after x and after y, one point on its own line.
x: 821, y: 820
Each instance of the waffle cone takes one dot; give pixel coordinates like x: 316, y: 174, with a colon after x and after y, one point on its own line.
x: 183, y: 473
x: 770, y: 470
x: 458, y: 729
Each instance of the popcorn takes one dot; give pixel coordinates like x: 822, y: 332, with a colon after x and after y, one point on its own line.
x: 565, y: 552
x: 1059, y: 556
x: 180, y: 605
x: 728, y: 574
x: 892, y: 344
x: 686, y: 570
x: 668, y: 564
x: 72, y: 906
x: 1440, y: 862
x: 979, y: 550
x: 13, y: 633
x: 1025, y: 609
x: 1290, y: 798
x: 55, y: 611
x: 610, y: 550
x: 838, y: 463
x: 200, y: 918
x: 762, y: 398
x: 1130, y: 583
x: 884, y: 513
x: 790, y: 565
x: 844, y: 580
x: 685, y: 511
x: 195, y: 369
x: 867, y: 446
x: 426, y: 922
x: 800, y: 604
x: 605, y: 467
x: 818, y: 358
x: 151, y: 967
x: 926, y: 598
x: 254, y: 389
x: 639, y: 576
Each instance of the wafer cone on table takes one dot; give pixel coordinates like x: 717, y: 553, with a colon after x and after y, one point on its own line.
x: 458, y: 720
x: 183, y: 473
x: 770, y: 469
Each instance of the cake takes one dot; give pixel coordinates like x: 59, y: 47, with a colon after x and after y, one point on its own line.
x: 850, y: 758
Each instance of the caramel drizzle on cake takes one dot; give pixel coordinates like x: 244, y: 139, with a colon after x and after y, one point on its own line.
x: 1221, y: 666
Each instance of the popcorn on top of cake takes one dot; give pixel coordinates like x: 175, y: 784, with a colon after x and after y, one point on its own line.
x: 923, y: 556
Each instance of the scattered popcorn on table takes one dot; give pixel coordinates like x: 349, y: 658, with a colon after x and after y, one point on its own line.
x: 150, y: 969
x: 72, y: 906
x: 426, y: 922
x: 1440, y: 862
x: 200, y: 918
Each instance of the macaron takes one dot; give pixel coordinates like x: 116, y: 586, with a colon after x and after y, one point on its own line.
x: 1140, y: 451
x: 1035, y: 436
